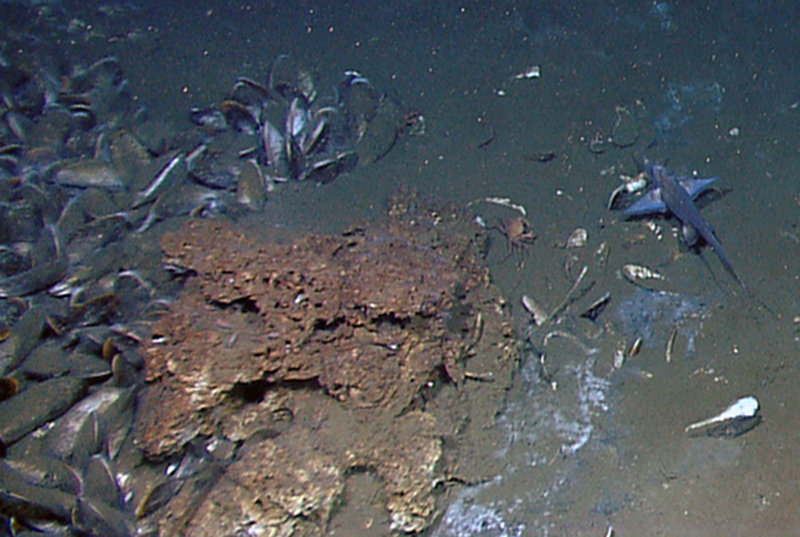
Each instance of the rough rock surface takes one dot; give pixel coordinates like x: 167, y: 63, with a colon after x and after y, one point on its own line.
x: 384, y: 350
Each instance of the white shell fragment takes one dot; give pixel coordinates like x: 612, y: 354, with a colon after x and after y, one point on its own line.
x: 737, y: 419
x: 531, y: 72
x: 505, y: 202
x: 635, y: 273
x: 630, y: 184
x: 538, y: 313
x: 577, y: 238
x: 635, y: 347
x: 619, y: 355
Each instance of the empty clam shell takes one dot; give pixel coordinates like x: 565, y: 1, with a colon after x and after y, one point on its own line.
x: 635, y: 273
x: 577, y: 238
x: 738, y: 418
x: 596, y: 308
x: 538, y: 313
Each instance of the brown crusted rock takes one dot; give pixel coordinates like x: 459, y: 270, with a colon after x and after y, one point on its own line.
x: 365, y: 316
x: 278, y: 485
x: 405, y: 458
x: 328, y: 356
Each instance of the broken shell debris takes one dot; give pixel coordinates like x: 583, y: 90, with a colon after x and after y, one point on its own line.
x: 630, y: 184
x: 597, y: 307
x: 537, y: 312
x: 577, y: 239
x: 534, y: 71
x: 530, y: 73
x: 636, y: 273
x: 504, y: 202
x: 740, y: 417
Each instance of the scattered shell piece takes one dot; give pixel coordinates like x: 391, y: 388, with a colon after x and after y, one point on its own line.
x: 654, y: 228
x: 738, y: 418
x: 574, y: 293
x: 635, y: 347
x: 577, y: 238
x: 556, y: 334
x: 538, y: 313
x: 602, y: 253
x: 596, y: 308
x: 634, y: 273
x: 630, y: 184
x: 531, y: 72
x: 619, y: 355
x: 671, y: 344
x: 505, y: 202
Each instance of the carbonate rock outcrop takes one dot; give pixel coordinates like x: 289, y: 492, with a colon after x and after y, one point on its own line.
x: 383, y: 350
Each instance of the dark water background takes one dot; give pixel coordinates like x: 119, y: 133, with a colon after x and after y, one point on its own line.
x: 718, y: 90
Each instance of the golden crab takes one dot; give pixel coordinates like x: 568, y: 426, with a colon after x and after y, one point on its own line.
x: 518, y: 233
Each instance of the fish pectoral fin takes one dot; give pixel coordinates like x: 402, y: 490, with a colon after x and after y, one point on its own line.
x: 647, y: 204
x: 694, y: 186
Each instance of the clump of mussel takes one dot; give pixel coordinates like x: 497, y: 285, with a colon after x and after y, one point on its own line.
x: 302, y: 135
x: 85, y: 176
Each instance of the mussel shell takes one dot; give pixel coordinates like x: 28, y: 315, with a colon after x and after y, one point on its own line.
x: 12, y: 262
x: 80, y: 433
x: 289, y: 78
x: 37, y: 405
x: 25, y: 334
x: 322, y: 170
x: 313, y: 138
x: 83, y: 116
x: 208, y: 170
x: 8, y: 387
x: 104, y: 71
x: 325, y: 168
x: 250, y: 93
x: 216, y: 163
x: 19, y: 124
x: 348, y: 160
x: 49, y: 266
x: 275, y: 148
x: 239, y: 117
x: 296, y: 118
x: 251, y: 187
x: 360, y: 102
x: 92, y: 517
x: 99, y: 482
x: 84, y: 173
x: 378, y: 135
x: 8, y: 166
x: 21, y: 499
x: 27, y: 92
x: 295, y: 158
x: 130, y: 159
x: 46, y: 471
x: 51, y: 130
x: 209, y: 118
